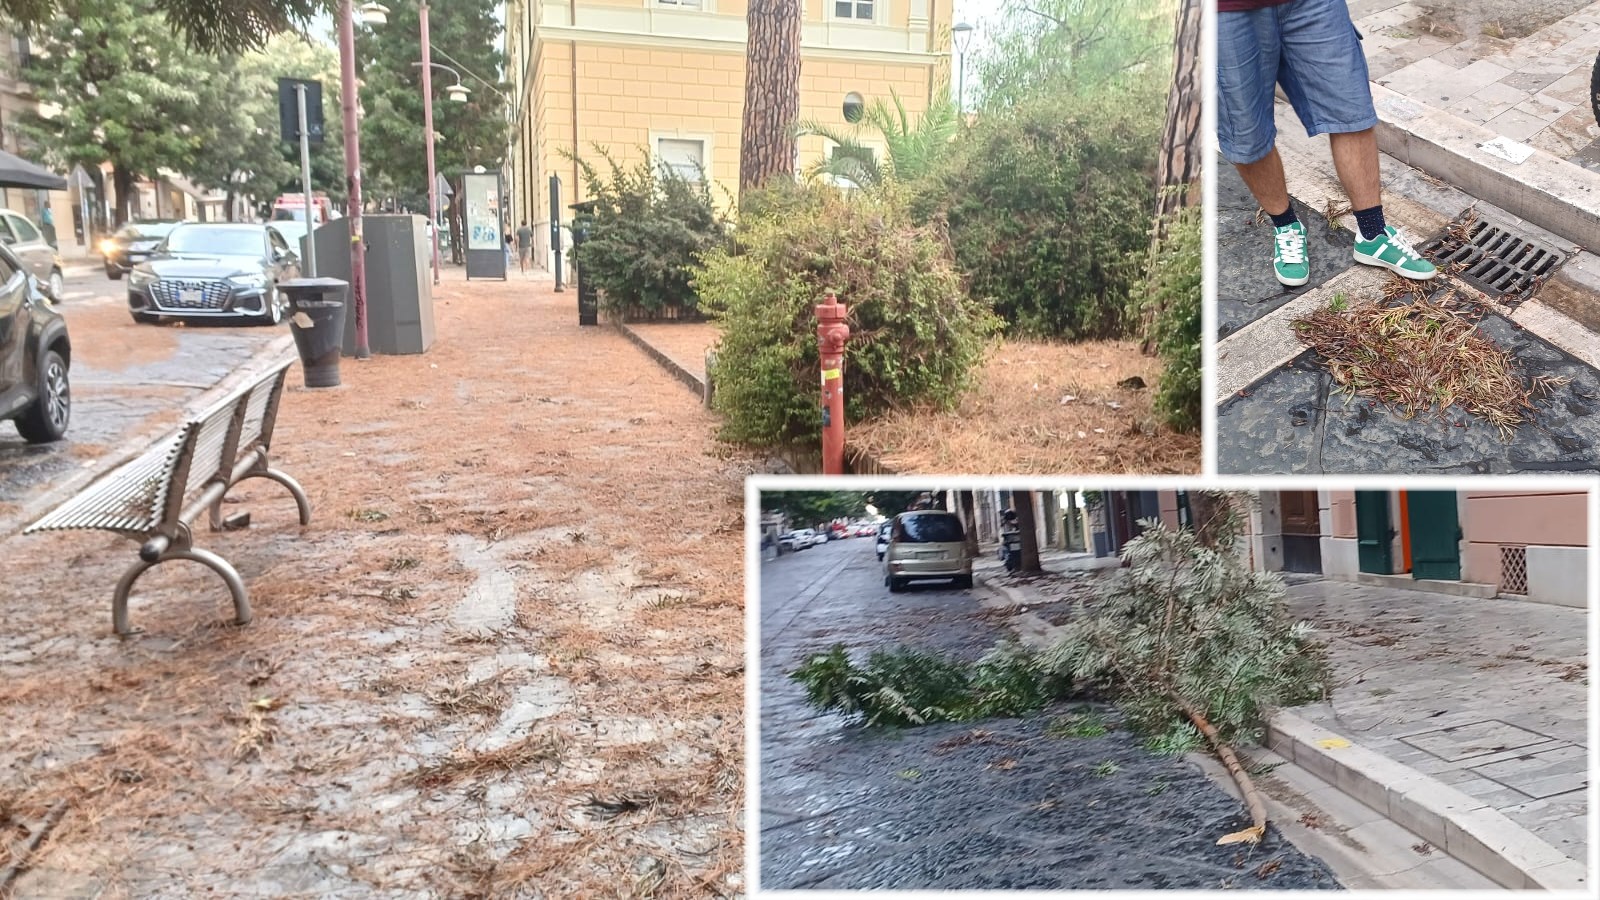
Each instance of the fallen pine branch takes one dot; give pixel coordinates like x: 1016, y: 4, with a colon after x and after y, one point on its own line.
x: 1247, y: 788
x: 20, y: 865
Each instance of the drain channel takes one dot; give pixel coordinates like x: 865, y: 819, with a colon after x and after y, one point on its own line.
x: 1504, y: 265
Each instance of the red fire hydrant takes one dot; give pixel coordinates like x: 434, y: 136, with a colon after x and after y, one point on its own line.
x: 832, y: 332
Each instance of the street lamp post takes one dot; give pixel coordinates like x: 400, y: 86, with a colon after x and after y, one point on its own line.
x: 352, y: 173
x: 962, y: 32
x: 377, y: 14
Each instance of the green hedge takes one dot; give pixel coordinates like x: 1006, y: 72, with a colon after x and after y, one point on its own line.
x: 915, y: 334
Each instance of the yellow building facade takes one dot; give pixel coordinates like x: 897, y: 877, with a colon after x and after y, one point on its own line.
x: 666, y: 78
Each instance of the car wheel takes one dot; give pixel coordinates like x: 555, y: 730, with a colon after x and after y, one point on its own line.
x: 275, y: 307
x: 896, y: 585
x: 964, y: 582
x: 113, y: 273
x: 58, y: 285
x: 145, y: 318
x: 46, y: 420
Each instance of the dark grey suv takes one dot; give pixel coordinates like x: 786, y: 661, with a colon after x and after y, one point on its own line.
x: 208, y: 271
x: 34, y: 356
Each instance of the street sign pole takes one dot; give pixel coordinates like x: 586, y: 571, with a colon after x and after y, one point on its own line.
x: 305, y: 181
x: 555, y: 226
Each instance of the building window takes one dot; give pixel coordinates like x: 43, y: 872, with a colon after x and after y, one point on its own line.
x: 681, y: 4
x: 859, y: 10
x: 854, y: 107
x: 686, y: 157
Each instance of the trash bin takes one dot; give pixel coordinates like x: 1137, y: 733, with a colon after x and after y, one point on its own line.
x: 316, y: 316
x: 588, y: 294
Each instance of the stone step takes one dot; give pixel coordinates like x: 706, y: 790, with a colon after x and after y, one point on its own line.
x: 1467, y: 829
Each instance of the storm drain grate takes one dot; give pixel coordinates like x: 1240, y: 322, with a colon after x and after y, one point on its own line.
x: 1501, y: 263
x: 1514, y: 570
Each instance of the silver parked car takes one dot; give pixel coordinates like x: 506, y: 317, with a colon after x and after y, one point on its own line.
x: 29, y: 246
x: 220, y: 270
x: 926, y: 544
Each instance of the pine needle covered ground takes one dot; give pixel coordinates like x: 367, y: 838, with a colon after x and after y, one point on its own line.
x: 1422, y: 356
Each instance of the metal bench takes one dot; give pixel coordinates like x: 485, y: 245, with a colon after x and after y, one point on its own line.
x: 154, y: 498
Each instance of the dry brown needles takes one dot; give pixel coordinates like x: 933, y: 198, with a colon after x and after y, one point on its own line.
x: 1421, y: 356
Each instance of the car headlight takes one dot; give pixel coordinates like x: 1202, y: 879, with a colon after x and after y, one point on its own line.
x: 253, y: 280
x: 108, y: 246
x: 137, y: 278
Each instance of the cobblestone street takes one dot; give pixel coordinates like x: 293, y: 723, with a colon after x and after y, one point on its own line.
x: 983, y: 805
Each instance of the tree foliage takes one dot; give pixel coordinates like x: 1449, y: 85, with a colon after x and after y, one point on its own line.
x: 811, y: 507
x: 1075, y: 47
x: 243, y: 151
x: 393, y: 151
x: 651, y: 226
x: 907, y: 687
x: 1187, y: 626
x: 1048, y: 208
x: 1171, y: 290
x: 207, y: 25
x: 914, y: 144
x: 120, y: 87
x: 915, y: 334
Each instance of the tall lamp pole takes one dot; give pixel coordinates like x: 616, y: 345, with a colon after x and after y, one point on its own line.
x: 962, y: 32
x: 427, y: 127
x: 352, y: 172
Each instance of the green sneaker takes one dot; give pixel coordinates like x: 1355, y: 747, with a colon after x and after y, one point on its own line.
x: 1393, y: 252
x: 1289, y: 261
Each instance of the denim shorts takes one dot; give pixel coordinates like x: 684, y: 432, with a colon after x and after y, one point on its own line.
x: 1312, y: 49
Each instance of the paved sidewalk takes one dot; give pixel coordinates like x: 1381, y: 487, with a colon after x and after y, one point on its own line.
x: 1520, y: 69
x: 503, y: 660
x: 1488, y: 696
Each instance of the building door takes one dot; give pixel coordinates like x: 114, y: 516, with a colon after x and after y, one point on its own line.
x: 1302, y: 532
x: 1373, y: 533
x: 1435, y: 536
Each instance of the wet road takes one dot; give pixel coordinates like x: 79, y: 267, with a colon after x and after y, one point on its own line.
x: 997, y: 804
x: 126, y: 378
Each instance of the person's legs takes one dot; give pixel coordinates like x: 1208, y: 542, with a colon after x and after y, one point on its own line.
x: 1247, y: 65
x: 1324, y: 74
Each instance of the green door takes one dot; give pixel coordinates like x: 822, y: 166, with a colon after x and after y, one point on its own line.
x: 1435, y: 535
x: 1373, y: 534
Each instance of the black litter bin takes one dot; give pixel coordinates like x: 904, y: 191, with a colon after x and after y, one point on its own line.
x: 316, y: 316
x: 588, y: 294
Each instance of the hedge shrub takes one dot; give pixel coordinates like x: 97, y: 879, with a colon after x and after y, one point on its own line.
x: 650, y: 227
x: 1172, y: 287
x: 1048, y: 207
x: 915, y: 334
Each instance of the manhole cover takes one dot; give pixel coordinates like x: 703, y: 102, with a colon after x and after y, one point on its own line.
x: 1505, y: 265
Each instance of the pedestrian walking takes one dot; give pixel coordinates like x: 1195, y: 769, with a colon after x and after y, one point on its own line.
x: 524, y: 244
x: 1312, y: 49
x: 508, y: 251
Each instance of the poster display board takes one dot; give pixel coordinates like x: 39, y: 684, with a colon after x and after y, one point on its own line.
x: 484, y: 224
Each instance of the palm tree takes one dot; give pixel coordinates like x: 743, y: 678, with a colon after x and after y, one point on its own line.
x: 913, y: 149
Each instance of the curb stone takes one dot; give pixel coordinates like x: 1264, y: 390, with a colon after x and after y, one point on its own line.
x: 1465, y: 828
x: 134, y: 444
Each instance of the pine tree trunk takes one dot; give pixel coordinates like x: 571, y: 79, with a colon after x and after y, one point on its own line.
x: 1178, y: 170
x: 1211, y: 511
x: 969, y: 518
x: 122, y: 179
x: 1027, y: 524
x: 771, y: 93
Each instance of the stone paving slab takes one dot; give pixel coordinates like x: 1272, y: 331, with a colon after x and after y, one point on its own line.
x: 1488, y: 696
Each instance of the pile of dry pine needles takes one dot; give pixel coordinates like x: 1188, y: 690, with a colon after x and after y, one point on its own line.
x: 1420, y: 356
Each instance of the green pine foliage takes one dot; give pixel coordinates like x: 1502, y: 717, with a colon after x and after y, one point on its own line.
x: 907, y: 687
x: 393, y: 151
x: 916, y: 335
x: 1186, y: 621
x: 205, y: 25
x: 1172, y: 286
x: 651, y: 227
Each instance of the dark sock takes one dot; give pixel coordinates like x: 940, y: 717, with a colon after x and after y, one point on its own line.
x: 1370, y: 221
x: 1287, y: 217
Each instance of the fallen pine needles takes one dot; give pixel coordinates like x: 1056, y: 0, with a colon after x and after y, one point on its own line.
x: 1422, y: 356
